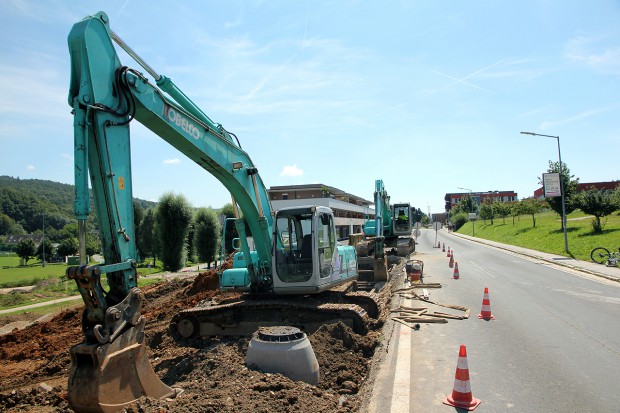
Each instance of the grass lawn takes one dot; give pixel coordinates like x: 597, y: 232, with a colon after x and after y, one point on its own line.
x: 14, y: 275
x: 547, y: 235
x: 52, y: 289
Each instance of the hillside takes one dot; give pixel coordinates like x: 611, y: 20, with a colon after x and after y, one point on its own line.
x: 24, y: 201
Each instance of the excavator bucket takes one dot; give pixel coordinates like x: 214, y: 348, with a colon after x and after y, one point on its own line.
x: 107, y: 377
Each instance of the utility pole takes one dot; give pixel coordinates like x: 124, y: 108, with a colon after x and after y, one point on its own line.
x: 43, y: 240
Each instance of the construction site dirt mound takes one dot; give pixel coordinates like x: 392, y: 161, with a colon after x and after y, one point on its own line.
x: 34, y: 363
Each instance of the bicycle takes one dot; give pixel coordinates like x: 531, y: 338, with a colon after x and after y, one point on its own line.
x: 601, y: 255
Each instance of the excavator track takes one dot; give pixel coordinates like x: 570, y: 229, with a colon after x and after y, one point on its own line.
x: 242, y: 318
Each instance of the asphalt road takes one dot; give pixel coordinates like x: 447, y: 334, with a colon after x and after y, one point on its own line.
x: 554, y: 345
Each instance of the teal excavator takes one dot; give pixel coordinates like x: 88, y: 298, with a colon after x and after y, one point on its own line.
x: 296, y: 257
x: 390, y: 229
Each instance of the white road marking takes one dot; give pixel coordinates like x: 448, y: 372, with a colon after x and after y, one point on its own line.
x: 482, y: 269
x: 402, y: 375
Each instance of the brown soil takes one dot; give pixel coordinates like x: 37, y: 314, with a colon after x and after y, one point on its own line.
x: 34, y: 363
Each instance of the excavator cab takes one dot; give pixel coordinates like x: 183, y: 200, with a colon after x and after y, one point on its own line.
x: 402, y: 219
x: 294, y: 258
x: 308, y: 258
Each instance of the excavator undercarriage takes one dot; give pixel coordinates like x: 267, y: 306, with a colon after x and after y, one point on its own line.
x: 242, y: 317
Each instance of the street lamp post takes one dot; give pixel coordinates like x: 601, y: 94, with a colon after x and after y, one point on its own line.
x: 561, y: 184
x: 471, y: 199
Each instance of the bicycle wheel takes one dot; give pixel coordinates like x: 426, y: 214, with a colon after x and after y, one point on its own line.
x: 599, y: 255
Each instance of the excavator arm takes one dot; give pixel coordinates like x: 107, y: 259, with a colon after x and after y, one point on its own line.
x: 110, y: 369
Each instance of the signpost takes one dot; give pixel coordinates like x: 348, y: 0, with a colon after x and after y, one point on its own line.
x: 472, y: 218
x: 416, y: 230
x: 436, y: 227
x: 551, y: 184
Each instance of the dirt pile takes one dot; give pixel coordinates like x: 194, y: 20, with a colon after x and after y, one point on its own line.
x: 34, y: 363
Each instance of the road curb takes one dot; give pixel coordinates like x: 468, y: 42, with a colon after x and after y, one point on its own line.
x: 535, y: 256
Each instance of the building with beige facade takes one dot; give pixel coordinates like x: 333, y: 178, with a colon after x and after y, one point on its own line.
x: 350, y: 211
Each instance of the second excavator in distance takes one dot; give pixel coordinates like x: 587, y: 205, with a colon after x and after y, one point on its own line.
x: 390, y: 229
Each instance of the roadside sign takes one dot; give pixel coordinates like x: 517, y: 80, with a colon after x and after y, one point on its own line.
x: 417, y: 233
x: 472, y: 216
x: 436, y: 225
x: 417, y: 225
x: 551, y: 185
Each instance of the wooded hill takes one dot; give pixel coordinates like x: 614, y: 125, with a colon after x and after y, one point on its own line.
x: 26, y: 200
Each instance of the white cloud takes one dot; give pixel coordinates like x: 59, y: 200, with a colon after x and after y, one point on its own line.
x: 291, y: 170
x: 579, y: 116
x: 30, y: 167
x: 590, y: 51
x: 172, y: 161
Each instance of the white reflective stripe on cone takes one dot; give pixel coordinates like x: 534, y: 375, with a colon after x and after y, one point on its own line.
x: 462, y: 386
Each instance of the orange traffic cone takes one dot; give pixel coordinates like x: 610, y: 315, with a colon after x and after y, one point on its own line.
x: 461, y: 396
x: 444, y: 247
x: 448, y: 254
x: 455, y: 275
x: 451, y: 263
x: 438, y: 244
x: 485, y: 313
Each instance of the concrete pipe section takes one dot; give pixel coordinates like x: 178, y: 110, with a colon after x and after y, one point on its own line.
x: 285, y: 350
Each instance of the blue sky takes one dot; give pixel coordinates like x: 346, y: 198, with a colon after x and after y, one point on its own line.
x: 428, y: 96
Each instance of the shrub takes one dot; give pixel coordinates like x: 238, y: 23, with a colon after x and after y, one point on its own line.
x: 458, y: 220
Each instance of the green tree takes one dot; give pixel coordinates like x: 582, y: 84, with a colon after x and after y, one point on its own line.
x: 207, y: 234
x: 68, y: 231
x: 148, y: 236
x: 416, y: 215
x: 191, y: 239
x: 174, y: 215
x: 6, y: 223
x: 598, y: 203
x: 487, y: 210
x: 569, y: 186
x: 615, y: 196
x: 68, y: 246
x: 93, y: 244
x: 26, y: 249
x: 424, y: 220
x: 531, y: 206
x: 47, y: 247
x: 138, y: 217
x: 467, y: 204
x: 502, y: 209
x: 516, y: 210
x: 458, y: 220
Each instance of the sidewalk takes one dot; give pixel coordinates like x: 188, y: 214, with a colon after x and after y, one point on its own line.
x: 610, y: 273
x: 41, y: 304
